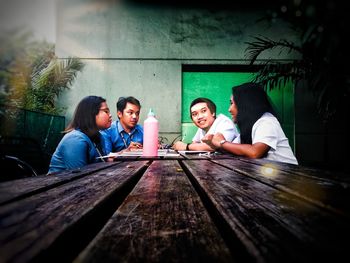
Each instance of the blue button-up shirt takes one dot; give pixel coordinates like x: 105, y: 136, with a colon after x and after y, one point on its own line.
x: 117, y: 139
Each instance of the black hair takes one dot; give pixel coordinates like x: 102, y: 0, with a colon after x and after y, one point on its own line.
x: 122, y: 101
x: 252, y: 102
x: 84, y: 117
x: 211, y: 105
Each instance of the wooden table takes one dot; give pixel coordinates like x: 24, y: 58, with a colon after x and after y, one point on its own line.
x: 191, y: 208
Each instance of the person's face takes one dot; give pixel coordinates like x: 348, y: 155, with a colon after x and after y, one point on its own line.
x: 202, y: 116
x: 130, y: 116
x: 233, y: 110
x: 103, y: 117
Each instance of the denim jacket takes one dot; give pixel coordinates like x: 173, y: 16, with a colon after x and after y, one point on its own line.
x: 75, y: 150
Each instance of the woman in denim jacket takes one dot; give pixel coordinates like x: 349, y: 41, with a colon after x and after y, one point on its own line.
x: 82, y: 144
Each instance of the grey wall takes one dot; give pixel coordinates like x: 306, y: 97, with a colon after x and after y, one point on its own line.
x: 35, y: 16
x: 138, y: 50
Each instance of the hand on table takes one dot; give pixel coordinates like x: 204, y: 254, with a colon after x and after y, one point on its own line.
x: 179, y: 146
x: 213, y: 140
x: 134, y: 146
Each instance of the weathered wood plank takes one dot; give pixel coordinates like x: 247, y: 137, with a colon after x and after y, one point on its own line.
x: 196, y: 156
x: 302, y: 170
x: 161, y: 220
x: 30, y: 227
x: 274, y: 225
x: 10, y: 191
x: 325, y: 192
x: 208, y: 156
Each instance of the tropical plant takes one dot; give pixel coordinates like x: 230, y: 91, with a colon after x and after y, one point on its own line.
x: 322, y: 26
x: 31, y: 75
x: 48, y: 82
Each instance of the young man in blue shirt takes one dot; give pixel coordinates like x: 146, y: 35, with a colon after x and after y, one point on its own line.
x: 124, y: 133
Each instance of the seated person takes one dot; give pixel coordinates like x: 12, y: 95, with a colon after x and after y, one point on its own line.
x: 203, y: 115
x: 82, y: 144
x: 124, y: 133
x: 261, y: 135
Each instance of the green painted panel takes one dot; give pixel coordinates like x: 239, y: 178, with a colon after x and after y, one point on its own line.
x: 217, y: 87
x: 213, y: 85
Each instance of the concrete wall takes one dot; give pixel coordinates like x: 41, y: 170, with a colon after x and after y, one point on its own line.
x: 138, y: 50
x: 35, y: 16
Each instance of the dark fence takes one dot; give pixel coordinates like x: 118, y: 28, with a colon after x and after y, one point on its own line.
x: 29, y: 135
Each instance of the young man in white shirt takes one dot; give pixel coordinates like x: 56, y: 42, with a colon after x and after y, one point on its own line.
x: 203, y: 115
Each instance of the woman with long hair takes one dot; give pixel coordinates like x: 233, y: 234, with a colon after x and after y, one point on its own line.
x: 83, y: 144
x: 261, y: 135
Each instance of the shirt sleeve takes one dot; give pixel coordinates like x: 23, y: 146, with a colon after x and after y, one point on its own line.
x: 230, y: 133
x: 196, y: 137
x: 237, y: 139
x: 106, y: 142
x: 227, y: 128
x: 265, y: 131
x: 75, y: 152
x: 139, y: 134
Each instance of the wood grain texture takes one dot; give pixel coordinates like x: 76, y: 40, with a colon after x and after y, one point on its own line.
x: 317, y: 188
x: 30, y: 226
x: 161, y: 220
x: 274, y: 225
x: 217, y: 208
x: 10, y: 191
x: 301, y: 170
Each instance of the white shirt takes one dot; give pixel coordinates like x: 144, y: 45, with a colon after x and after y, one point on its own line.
x: 221, y: 124
x: 268, y: 130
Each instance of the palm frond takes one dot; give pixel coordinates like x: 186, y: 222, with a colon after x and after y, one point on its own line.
x: 66, y: 71
x: 322, y: 50
x: 276, y: 75
x: 261, y: 44
x: 49, y: 82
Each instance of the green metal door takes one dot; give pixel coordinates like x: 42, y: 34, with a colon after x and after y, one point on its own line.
x: 217, y: 87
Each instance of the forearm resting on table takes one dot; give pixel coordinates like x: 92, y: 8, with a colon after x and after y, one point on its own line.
x: 181, y: 146
x: 195, y: 146
x: 257, y: 150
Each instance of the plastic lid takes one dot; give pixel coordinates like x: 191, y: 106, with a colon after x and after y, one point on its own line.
x: 151, y: 113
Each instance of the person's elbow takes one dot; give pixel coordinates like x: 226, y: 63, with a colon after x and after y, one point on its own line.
x: 258, y: 151
x: 255, y: 155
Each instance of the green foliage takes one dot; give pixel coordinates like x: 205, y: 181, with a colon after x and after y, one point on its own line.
x: 47, y: 83
x: 323, y: 51
x: 276, y: 74
x: 31, y: 76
